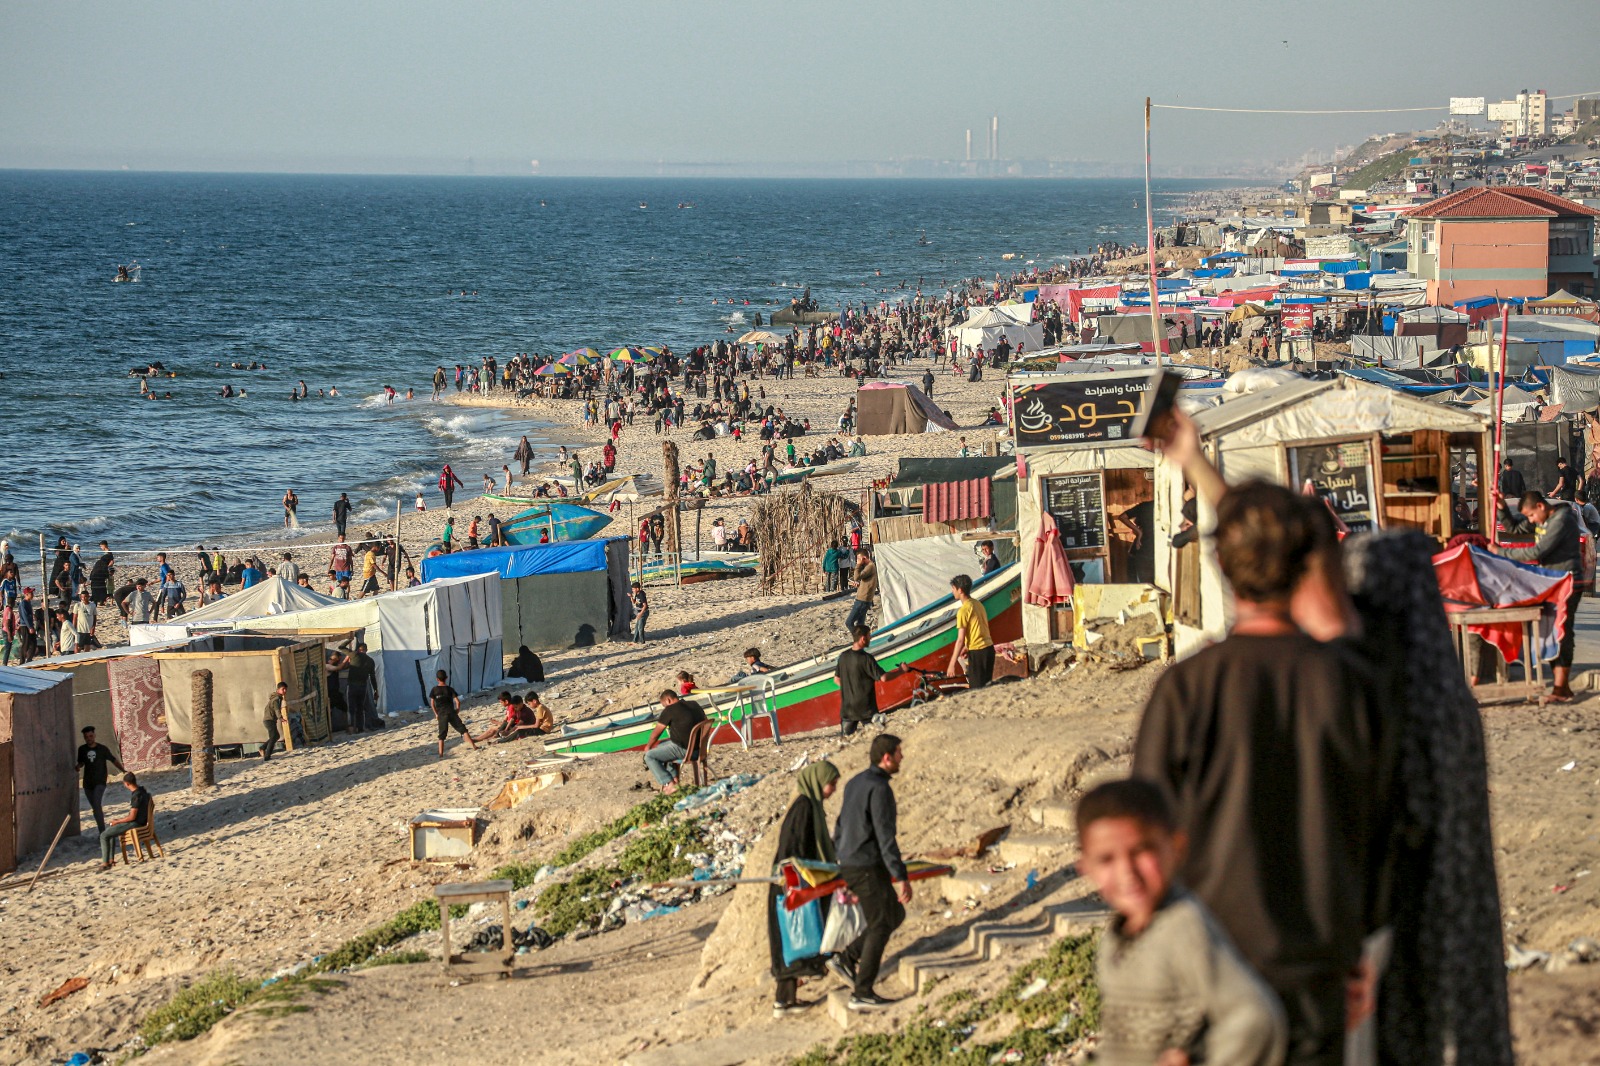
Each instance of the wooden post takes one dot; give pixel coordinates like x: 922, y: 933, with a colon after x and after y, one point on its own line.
x: 48, y: 852
x: 45, y: 588
x: 394, y: 556
x: 202, y: 769
x: 669, y: 457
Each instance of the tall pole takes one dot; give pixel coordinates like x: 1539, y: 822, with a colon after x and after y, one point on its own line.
x: 1499, y: 427
x: 1157, y: 334
x: 394, y: 556
x: 44, y: 599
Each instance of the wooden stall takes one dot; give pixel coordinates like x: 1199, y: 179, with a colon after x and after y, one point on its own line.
x: 38, y: 753
x: 1381, y: 458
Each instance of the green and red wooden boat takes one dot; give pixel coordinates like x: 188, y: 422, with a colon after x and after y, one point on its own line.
x: 804, y: 696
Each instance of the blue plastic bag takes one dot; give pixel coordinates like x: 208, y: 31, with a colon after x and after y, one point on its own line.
x: 800, y: 930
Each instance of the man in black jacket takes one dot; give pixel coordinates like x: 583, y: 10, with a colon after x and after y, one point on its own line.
x: 870, y: 862
x: 1556, y: 547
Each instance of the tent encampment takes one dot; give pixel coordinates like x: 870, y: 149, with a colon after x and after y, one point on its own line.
x: 561, y: 595
x: 884, y: 407
x: 271, y: 596
x: 451, y: 624
x: 38, y: 775
x: 987, y: 326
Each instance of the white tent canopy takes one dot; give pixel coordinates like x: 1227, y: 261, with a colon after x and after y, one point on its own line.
x: 271, y: 596
x: 986, y: 327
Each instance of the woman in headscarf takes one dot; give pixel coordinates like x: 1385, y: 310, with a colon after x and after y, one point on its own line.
x: 803, y: 835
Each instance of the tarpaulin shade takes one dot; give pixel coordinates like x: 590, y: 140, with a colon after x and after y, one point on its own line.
x: 949, y: 501
x: 1472, y: 577
x: 562, y: 557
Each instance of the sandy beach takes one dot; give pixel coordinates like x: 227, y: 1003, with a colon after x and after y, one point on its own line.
x: 283, y: 862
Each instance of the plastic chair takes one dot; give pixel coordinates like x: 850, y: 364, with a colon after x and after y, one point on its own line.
x: 145, y: 842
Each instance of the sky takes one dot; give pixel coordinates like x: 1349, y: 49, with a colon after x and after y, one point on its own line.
x: 605, y: 86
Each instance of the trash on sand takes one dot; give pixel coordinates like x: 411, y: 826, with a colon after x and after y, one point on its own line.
x: 1586, y: 948
x: 721, y: 790
x: 1033, y: 988
x: 1521, y: 958
x: 69, y: 986
x: 1573, y: 765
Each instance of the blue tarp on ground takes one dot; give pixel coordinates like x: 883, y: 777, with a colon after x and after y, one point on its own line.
x: 562, y: 557
x: 1216, y: 272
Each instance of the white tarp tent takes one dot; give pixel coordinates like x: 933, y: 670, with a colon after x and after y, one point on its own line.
x: 985, y: 327
x: 914, y: 573
x: 271, y: 596
x: 451, y: 624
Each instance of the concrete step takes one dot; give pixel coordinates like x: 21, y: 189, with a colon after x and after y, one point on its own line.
x: 1034, y: 849
x: 1053, y: 814
x: 962, y: 884
x: 789, y: 1037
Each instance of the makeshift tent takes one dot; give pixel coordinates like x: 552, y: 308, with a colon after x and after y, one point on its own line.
x: 562, y: 595
x: 915, y: 573
x: 118, y: 692
x: 38, y: 775
x: 450, y: 624
x: 272, y: 596
x: 245, y: 670
x: 987, y: 327
x: 884, y: 407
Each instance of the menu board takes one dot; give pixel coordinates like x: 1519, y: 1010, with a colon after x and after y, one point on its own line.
x: 1342, y: 474
x: 1078, y: 504
x: 1083, y: 409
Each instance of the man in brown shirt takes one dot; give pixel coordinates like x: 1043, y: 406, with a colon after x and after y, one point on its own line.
x: 866, y: 589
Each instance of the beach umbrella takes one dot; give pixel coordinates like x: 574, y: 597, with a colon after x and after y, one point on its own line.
x: 760, y: 336
x: 652, y: 352
x: 574, y: 359
x: 587, y: 353
x: 551, y: 370
x: 628, y: 355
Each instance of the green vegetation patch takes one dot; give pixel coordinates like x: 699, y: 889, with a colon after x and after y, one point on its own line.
x: 1049, y: 1020
x: 197, y: 1008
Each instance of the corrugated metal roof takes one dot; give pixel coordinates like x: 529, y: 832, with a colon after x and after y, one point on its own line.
x: 24, y: 681
x: 947, y: 501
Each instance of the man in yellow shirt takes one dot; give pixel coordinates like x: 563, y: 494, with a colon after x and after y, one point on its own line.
x: 369, y: 571
x: 972, y: 635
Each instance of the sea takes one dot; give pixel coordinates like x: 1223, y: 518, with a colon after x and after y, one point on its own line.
x: 353, y: 283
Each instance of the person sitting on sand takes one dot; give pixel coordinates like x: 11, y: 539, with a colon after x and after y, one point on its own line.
x: 526, y: 665
x: 519, y: 716
x: 138, y: 817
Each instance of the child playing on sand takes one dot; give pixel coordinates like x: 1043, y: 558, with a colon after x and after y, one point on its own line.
x: 1173, y: 989
x: 422, y: 505
x: 446, y: 703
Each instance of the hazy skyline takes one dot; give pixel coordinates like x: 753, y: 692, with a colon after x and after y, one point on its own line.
x: 612, y: 87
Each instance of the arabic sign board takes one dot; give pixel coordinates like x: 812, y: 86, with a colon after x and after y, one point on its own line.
x: 1086, y: 409
x: 1466, y: 105
x: 1078, y: 504
x: 1342, y: 474
x: 1298, y: 317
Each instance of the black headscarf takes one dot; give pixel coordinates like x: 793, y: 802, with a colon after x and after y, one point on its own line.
x: 526, y: 666
x: 1445, y: 987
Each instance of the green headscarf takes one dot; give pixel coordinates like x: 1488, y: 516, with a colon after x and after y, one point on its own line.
x: 810, y: 782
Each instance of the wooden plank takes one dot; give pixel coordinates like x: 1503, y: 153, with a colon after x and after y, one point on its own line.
x: 459, y: 891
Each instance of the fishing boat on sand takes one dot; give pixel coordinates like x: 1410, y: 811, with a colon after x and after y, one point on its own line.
x: 804, y: 696
x: 800, y: 473
x: 694, y: 571
x: 563, y: 521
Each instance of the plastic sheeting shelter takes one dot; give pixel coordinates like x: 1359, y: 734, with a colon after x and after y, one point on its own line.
x: 272, y: 596
x: 38, y: 755
x: 884, y: 407
x: 986, y: 327
x: 561, y: 595
x: 118, y: 691
x: 915, y: 573
x: 451, y: 624
x: 245, y: 671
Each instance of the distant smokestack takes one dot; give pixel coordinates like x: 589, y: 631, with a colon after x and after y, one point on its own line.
x: 994, y: 137
x: 969, y: 145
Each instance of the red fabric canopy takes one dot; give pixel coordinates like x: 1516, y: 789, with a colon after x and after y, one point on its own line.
x: 1471, y: 577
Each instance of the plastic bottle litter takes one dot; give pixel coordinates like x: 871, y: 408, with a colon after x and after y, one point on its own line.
x: 1032, y: 988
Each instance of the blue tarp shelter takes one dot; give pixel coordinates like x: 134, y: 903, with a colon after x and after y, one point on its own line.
x: 561, y: 595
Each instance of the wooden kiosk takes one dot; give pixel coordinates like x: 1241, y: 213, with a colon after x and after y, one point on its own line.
x: 1382, y: 459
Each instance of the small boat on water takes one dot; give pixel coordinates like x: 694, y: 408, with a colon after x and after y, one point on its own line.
x: 788, y: 316
x: 643, y: 206
x: 804, y: 696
